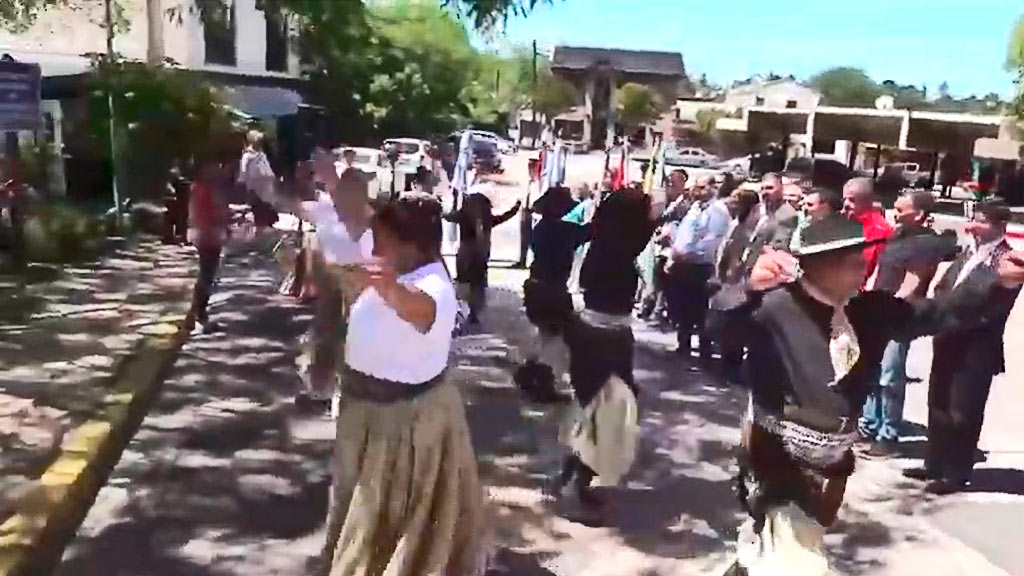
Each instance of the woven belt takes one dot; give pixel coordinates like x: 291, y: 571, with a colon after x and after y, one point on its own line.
x: 819, y: 449
x: 360, y: 386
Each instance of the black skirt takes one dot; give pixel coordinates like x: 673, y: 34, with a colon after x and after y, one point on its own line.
x: 596, y: 354
x: 548, y: 306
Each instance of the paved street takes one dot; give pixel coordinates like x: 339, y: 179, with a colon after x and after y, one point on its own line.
x: 225, y: 477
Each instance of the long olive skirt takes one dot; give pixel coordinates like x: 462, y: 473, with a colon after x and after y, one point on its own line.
x: 406, y: 498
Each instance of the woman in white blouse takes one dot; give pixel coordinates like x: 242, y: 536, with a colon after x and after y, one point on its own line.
x: 406, y: 496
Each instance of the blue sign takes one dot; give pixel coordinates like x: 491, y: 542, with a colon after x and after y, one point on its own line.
x: 19, y: 96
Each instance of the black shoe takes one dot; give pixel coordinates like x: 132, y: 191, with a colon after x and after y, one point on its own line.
x: 943, y: 487
x: 920, y: 473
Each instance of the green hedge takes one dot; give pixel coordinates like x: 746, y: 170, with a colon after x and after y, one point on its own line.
x: 60, y: 233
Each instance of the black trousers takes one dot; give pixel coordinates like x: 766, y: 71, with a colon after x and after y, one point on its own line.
x: 209, y: 263
x: 688, y: 294
x: 525, y: 235
x: 956, y: 411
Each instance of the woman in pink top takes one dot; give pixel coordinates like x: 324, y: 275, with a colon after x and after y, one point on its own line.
x: 209, y: 218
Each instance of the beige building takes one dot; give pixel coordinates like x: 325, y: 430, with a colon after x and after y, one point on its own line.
x: 781, y: 93
x: 598, y: 72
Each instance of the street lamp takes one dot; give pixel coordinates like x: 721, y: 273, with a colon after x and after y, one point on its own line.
x: 391, y: 151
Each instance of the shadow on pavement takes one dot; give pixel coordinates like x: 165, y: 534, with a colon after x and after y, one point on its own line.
x: 998, y: 480
x: 223, y: 477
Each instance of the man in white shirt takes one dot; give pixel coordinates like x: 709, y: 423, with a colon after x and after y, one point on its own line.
x: 692, y: 264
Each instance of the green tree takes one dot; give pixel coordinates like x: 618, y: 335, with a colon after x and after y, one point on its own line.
x: 1015, y: 49
x: 427, y: 64
x: 636, y: 105
x: 1015, y: 63
x: 846, y: 86
x: 552, y: 96
x: 164, y: 116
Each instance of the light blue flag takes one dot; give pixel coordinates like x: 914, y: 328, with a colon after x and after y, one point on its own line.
x: 462, y: 164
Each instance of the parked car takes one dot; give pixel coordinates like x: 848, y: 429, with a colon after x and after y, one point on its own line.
x: 692, y: 157
x: 485, y: 152
x: 575, y: 146
x: 738, y: 167
x: 412, y: 152
x: 375, y: 164
x: 909, y: 172
x: 505, y: 146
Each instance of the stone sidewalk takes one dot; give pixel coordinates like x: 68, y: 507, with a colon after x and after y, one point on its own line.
x: 64, y: 332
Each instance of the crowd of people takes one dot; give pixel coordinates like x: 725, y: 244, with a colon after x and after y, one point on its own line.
x: 798, y: 290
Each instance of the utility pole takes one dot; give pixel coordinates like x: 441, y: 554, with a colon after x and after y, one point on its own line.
x: 108, y: 19
x: 533, y: 108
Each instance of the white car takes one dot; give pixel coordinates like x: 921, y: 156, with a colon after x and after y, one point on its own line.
x: 412, y: 152
x: 739, y: 167
x: 692, y: 157
x: 375, y: 164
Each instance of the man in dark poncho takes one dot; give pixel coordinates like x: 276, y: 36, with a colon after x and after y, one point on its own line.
x: 815, y: 343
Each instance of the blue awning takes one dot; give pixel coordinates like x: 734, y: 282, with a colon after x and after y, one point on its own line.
x: 262, y: 101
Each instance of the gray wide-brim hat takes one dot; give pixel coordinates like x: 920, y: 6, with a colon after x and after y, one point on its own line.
x: 832, y: 233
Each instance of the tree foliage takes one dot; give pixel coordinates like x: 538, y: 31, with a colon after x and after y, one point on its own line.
x: 488, y: 14
x: 552, y: 96
x: 846, y: 86
x: 164, y: 116
x: 636, y: 104
x: 1015, y: 63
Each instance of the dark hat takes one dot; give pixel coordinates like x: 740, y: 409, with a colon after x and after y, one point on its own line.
x: 829, y: 234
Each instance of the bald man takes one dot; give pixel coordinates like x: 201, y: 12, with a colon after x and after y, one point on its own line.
x: 777, y: 223
x: 859, y: 206
x: 692, y: 264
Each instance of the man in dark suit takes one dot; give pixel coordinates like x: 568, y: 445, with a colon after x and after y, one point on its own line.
x: 966, y: 359
x: 773, y: 229
x: 777, y: 223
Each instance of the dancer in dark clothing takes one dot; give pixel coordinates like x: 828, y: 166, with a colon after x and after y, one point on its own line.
x: 475, y: 222
x: 602, y: 439
x: 816, y: 342
x: 546, y: 295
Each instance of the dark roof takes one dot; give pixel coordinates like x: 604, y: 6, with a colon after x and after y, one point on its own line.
x: 629, y: 61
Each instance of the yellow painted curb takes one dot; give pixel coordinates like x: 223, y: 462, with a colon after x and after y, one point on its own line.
x: 49, y: 513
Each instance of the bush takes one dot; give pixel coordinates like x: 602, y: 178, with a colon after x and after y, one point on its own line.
x: 61, y: 234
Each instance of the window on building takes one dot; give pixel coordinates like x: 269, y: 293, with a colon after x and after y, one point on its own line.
x: 759, y: 101
x: 219, y: 29
x: 277, y: 40
x: 790, y: 103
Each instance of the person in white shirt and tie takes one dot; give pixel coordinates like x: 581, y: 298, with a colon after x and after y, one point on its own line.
x: 692, y: 264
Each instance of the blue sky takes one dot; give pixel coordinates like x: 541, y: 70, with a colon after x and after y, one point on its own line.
x: 962, y: 42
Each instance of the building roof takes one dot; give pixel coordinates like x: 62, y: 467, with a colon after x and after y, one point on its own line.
x: 629, y: 61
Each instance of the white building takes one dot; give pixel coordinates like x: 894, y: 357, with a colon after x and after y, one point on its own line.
x: 60, y: 39
x: 782, y: 93
x: 248, y: 50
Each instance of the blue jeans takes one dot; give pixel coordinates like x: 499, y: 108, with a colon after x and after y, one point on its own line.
x: 883, y: 411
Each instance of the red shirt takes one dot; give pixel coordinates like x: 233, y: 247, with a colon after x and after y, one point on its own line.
x: 208, y: 216
x: 876, y: 227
